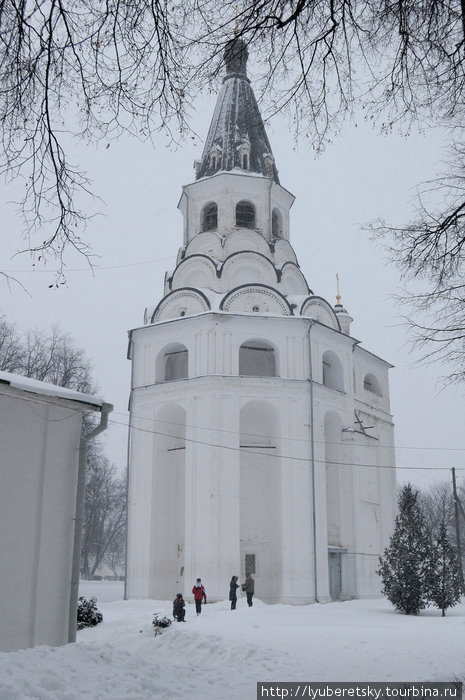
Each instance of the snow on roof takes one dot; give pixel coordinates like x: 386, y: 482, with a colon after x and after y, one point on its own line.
x: 34, y: 386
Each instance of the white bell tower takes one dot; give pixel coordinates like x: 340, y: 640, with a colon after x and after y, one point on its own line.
x: 261, y: 437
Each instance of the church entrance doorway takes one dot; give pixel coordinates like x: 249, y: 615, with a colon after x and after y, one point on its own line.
x: 335, y: 574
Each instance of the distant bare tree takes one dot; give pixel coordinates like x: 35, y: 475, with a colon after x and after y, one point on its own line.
x: 438, y: 508
x: 11, y: 351
x: 137, y: 66
x: 103, y: 537
x: 115, y: 556
x: 50, y: 357
x: 53, y: 357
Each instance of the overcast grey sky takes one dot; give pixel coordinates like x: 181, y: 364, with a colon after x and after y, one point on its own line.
x: 360, y: 176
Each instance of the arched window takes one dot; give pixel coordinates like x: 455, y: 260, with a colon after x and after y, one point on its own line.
x: 276, y: 224
x: 245, y: 162
x: 332, y: 371
x: 245, y: 214
x: 213, y: 163
x: 257, y: 359
x: 371, y: 383
x: 210, y: 217
x: 172, y: 363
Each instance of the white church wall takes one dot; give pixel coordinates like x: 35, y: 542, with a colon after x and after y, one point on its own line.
x: 260, y: 503
x: 297, y: 580
x: 334, y: 488
x: 213, y: 341
x: 140, y: 494
x: 40, y: 438
x: 212, y: 397
x: 168, y: 500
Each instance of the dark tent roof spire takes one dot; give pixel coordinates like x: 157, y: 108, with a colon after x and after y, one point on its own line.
x: 237, y: 138
x: 235, y: 57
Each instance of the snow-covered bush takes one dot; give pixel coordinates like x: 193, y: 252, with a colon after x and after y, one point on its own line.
x: 160, y: 623
x: 88, y: 614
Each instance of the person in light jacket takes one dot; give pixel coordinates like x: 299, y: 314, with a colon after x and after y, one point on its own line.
x: 249, y: 587
x: 233, y: 586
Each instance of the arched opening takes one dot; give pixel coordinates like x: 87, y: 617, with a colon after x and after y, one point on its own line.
x: 276, y: 224
x: 371, y: 383
x: 260, y: 480
x: 332, y: 371
x: 168, y: 502
x: 337, y: 484
x: 257, y: 358
x: 172, y: 363
x: 333, y: 447
x: 210, y: 217
x: 245, y: 162
x: 245, y: 214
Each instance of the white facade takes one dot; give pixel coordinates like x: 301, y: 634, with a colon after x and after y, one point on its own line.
x: 261, y: 435
x: 40, y: 431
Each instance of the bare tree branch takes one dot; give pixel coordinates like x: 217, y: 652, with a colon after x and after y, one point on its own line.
x: 432, y: 249
x: 97, y: 69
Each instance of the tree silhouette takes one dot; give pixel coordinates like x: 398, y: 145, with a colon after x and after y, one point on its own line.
x: 403, y: 566
x: 100, y: 69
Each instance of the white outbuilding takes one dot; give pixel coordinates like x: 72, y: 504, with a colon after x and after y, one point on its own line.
x: 261, y: 438
x: 42, y: 477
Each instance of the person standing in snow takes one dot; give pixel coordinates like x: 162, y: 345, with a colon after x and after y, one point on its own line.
x: 249, y: 587
x: 199, y: 595
x: 178, y: 608
x: 233, y: 586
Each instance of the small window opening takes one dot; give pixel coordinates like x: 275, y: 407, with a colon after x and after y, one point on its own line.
x: 210, y: 217
x: 332, y: 371
x: 175, y: 365
x: 257, y: 361
x: 245, y: 162
x: 276, y: 224
x: 250, y: 564
x: 371, y: 383
x: 213, y: 163
x: 245, y: 215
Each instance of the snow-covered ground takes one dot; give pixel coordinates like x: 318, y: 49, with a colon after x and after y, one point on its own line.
x: 222, y: 654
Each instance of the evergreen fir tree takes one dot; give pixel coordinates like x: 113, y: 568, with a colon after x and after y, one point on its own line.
x: 443, y: 586
x: 403, y: 566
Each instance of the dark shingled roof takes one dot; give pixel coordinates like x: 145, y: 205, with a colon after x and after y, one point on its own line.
x: 237, y: 127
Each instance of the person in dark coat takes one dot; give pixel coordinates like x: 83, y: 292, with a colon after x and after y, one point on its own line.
x: 233, y: 586
x: 178, y: 608
x: 199, y: 595
x: 249, y: 587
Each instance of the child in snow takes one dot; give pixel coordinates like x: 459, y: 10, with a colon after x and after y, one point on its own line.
x: 199, y: 595
x: 233, y: 586
x: 178, y: 608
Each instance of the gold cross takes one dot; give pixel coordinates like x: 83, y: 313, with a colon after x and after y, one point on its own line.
x: 338, y: 296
